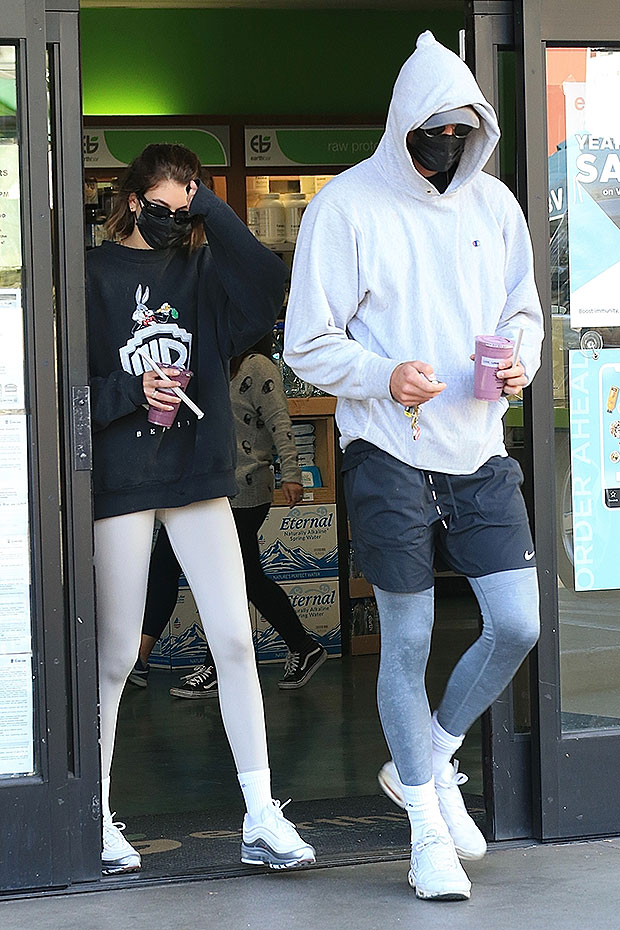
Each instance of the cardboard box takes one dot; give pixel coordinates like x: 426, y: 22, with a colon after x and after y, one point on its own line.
x: 160, y: 655
x: 188, y: 643
x: 317, y: 604
x: 300, y: 542
x: 183, y: 644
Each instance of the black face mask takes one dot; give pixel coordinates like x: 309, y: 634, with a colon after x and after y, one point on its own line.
x: 435, y: 153
x: 163, y: 231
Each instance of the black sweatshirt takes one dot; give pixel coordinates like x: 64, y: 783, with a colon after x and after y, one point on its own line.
x: 195, y: 309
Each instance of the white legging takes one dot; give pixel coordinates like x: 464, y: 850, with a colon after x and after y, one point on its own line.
x: 204, y: 540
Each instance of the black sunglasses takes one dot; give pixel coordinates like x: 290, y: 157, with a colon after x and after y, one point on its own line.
x: 181, y: 216
x: 461, y: 131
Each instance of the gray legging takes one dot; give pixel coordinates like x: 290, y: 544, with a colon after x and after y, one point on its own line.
x: 509, y: 604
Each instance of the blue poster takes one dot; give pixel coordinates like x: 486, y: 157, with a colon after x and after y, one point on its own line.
x: 595, y: 462
x: 593, y: 200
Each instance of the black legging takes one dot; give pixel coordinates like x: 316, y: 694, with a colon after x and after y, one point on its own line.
x: 267, y: 596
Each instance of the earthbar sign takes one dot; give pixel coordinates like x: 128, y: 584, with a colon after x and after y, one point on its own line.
x: 345, y: 145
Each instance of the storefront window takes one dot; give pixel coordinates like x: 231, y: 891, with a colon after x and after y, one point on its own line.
x: 584, y: 232
x: 16, y: 681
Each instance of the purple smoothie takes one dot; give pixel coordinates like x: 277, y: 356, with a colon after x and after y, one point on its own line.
x: 167, y: 417
x: 490, y: 350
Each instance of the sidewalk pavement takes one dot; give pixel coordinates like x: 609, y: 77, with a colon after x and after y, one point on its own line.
x: 561, y: 887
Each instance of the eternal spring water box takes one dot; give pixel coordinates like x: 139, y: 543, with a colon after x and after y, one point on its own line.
x: 317, y: 604
x: 188, y: 641
x: 299, y: 542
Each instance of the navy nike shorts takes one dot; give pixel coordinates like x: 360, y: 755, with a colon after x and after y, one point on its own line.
x: 403, y: 518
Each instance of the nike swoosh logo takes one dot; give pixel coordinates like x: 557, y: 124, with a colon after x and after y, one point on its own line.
x: 528, y: 555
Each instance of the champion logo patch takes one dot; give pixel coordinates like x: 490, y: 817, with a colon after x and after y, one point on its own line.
x: 476, y: 243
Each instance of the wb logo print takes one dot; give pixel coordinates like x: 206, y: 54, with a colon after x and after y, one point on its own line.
x: 260, y: 143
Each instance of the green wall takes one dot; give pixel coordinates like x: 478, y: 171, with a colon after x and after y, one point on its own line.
x: 248, y: 61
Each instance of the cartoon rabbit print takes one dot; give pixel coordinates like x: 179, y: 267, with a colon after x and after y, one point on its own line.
x: 142, y: 315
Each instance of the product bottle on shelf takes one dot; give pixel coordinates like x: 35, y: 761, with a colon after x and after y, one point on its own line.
x: 294, y: 206
x: 267, y: 219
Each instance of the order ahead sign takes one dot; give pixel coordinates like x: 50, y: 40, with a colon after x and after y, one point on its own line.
x: 116, y: 148
x: 345, y: 145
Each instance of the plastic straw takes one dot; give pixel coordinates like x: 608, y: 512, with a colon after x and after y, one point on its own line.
x: 515, y: 354
x: 177, y: 390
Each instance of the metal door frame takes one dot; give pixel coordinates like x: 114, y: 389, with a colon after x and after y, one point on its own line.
x: 562, y: 762
x: 51, y: 822
x: 490, y: 29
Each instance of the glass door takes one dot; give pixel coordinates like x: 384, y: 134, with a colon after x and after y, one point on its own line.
x: 571, y: 71
x: 490, y: 52
x: 49, y: 800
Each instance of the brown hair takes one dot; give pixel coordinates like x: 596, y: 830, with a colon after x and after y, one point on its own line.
x: 158, y: 162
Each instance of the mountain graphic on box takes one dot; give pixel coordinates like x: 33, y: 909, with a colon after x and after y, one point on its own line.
x: 191, y: 644
x: 164, y: 646
x: 268, y: 640
x: 278, y: 560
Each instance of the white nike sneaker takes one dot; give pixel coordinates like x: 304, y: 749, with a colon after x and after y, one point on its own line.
x: 468, y: 840
x: 272, y: 840
x: 436, y: 873
x: 117, y: 854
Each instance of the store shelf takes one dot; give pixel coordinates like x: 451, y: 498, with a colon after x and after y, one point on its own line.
x: 320, y: 406
x: 281, y: 247
x: 311, y: 496
x: 359, y: 587
x: 365, y: 645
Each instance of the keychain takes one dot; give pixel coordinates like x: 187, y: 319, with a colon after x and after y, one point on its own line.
x: 414, y: 412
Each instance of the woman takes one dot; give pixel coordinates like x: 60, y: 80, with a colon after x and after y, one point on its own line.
x: 159, y: 289
x: 262, y: 421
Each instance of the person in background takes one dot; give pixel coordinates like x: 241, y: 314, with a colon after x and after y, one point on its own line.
x: 400, y: 263
x: 159, y: 289
x: 262, y: 422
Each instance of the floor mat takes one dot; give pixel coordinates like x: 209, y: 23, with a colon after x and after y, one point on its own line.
x: 341, y: 829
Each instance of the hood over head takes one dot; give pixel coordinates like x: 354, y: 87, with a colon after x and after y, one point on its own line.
x: 434, y: 80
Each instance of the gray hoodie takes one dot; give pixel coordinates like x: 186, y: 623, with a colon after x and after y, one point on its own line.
x: 389, y: 270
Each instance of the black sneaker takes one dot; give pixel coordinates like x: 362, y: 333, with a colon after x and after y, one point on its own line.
x: 139, y: 673
x: 200, y: 684
x: 300, y: 666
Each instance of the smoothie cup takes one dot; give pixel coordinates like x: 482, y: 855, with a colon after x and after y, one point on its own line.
x: 490, y: 351
x: 167, y: 417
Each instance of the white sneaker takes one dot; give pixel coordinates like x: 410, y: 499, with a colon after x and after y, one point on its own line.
x: 391, y: 784
x: 468, y: 840
x: 272, y: 840
x: 436, y: 873
x: 117, y: 855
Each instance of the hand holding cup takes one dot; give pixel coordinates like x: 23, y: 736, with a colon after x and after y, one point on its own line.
x: 153, y: 387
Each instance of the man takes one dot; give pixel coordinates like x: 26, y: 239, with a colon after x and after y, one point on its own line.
x: 401, y: 261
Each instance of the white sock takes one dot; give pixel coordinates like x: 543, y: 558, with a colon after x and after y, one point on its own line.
x: 423, y: 809
x: 256, y: 787
x: 444, y: 746
x: 105, y: 798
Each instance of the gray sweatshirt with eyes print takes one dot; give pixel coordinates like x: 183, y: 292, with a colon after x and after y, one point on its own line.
x: 262, y: 423
x: 387, y: 269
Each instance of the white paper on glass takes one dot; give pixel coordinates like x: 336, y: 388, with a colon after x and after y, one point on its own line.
x: 10, y: 226
x: 13, y: 475
x: 16, y: 717
x: 11, y: 350
x: 15, y: 620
